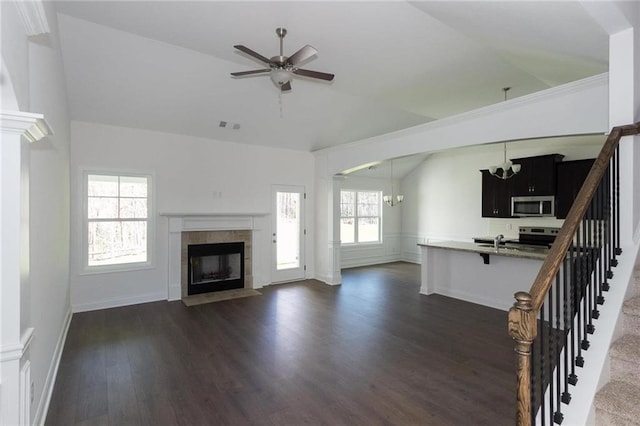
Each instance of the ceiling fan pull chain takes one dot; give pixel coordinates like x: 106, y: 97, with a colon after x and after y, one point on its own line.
x: 280, y: 102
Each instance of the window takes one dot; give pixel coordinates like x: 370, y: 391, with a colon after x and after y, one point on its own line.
x: 360, y: 216
x: 117, y: 221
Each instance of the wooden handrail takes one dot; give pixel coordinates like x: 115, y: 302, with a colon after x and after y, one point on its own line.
x: 554, y: 259
x: 523, y: 314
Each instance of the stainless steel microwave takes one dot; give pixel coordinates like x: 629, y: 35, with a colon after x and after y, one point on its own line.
x: 541, y: 206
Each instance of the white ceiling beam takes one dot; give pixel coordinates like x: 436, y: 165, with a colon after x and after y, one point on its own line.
x: 612, y: 16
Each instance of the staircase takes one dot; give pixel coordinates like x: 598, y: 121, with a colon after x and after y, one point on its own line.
x: 618, y: 402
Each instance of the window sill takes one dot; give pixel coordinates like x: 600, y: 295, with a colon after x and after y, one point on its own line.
x: 110, y: 269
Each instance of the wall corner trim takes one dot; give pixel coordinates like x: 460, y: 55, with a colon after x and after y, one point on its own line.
x: 33, y: 17
x: 33, y: 126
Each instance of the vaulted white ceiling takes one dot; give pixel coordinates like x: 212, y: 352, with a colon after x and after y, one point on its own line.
x: 165, y: 65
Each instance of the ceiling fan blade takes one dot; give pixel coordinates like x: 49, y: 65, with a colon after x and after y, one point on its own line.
x: 302, y: 55
x: 314, y: 74
x: 286, y: 87
x: 242, y: 73
x: 252, y: 53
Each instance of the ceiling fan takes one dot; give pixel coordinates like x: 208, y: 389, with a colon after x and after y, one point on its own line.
x: 281, y: 68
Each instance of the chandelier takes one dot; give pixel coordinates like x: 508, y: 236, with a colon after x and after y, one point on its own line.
x: 390, y: 200
x: 507, y: 168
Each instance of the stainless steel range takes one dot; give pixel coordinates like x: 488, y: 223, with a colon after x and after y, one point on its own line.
x: 537, y: 235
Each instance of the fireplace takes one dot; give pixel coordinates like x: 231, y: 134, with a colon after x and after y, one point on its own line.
x: 213, y: 261
x: 215, y: 267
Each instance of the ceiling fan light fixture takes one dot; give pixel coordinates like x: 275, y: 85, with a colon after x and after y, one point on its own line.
x: 282, y: 68
x: 280, y: 76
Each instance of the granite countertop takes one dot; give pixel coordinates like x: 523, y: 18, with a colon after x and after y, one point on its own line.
x: 509, y: 250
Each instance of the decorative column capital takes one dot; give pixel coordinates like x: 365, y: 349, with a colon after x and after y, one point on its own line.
x: 33, y: 126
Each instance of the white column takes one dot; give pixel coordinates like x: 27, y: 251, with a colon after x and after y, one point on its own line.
x: 17, y: 128
x: 622, y: 102
x: 334, y: 257
x: 427, y: 271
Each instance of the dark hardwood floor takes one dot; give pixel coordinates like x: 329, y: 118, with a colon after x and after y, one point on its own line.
x: 371, y: 351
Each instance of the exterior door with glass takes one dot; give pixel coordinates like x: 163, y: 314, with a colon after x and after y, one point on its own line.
x: 288, y: 233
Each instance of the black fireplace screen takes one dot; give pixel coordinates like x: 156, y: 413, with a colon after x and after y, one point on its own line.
x: 215, y: 267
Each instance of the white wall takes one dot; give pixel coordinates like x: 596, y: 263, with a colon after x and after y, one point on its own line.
x: 443, y: 196
x: 389, y: 249
x: 187, y: 171
x: 36, y: 73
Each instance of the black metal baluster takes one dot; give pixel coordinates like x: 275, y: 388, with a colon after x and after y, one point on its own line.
x: 557, y: 415
x: 593, y: 264
x: 551, y: 355
x: 598, y: 267
x: 584, y: 282
x: 603, y: 221
x: 542, y: 359
x: 610, y: 226
x: 607, y: 227
x: 568, y: 338
x: 618, y: 250
x: 579, y: 360
x: 573, y: 377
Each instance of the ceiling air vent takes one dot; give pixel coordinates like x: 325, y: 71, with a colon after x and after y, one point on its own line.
x: 229, y: 125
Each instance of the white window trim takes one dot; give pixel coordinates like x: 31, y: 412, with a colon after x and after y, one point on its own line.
x: 380, y: 224
x: 85, y: 269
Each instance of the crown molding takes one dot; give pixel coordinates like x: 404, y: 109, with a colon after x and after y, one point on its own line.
x: 33, y: 17
x: 33, y: 126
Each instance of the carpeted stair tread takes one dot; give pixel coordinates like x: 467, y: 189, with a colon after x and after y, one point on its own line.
x: 627, y: 348
x: 621, y: 400
x: 625, y: 359
x: 632, y: 306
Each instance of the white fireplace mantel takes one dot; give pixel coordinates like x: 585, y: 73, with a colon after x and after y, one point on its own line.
x: 257, y: 222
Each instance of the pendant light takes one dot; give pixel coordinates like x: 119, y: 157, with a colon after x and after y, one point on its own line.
x: 390, y: 200
x: 507, y: 168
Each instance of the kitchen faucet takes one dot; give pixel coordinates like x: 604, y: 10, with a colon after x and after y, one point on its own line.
x: 497, y: 240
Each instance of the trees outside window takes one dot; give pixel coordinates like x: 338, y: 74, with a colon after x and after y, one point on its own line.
x: 360, y: 216
x: 117, y: 221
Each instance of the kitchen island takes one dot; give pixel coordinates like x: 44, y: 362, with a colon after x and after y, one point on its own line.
x: 479, y: 273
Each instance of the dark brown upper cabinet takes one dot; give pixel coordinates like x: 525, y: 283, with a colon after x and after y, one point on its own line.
x: 570, y: 177
x: 496, y: 196
x: 537, y: 175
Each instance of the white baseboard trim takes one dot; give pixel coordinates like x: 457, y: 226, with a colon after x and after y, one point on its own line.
x: 325, y: 279
x: 175, y: 293
x: 411, y: 258
x: 369, y: 260
x: 114, y: 303
x: 474, y: 298
x: 47, y: 391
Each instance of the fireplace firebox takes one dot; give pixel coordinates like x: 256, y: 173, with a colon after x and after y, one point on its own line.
x: 215, y: 267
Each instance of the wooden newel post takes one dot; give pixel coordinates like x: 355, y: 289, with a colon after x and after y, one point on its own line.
x: 522, y: 327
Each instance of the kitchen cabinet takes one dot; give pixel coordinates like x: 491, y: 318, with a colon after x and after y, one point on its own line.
x: 570, y: 177
x: 537, y: 175
x: 496, y: 196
